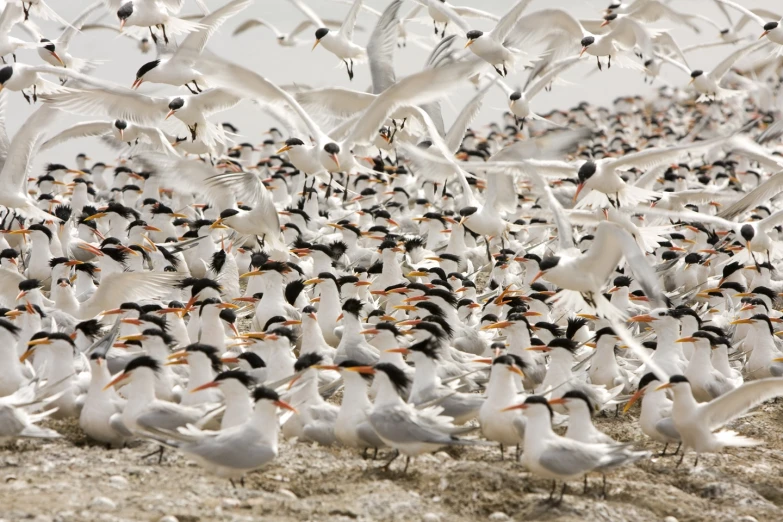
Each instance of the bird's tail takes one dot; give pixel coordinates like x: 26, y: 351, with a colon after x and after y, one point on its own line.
x: 37, y: 432
x: 732, y: 438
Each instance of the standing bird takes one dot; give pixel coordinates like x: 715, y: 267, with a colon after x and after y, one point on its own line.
x: 697, y: 423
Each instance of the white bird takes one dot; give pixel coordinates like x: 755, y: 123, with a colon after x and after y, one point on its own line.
x: 504, y: 427
x: 403, y: 427
x: 17, y: 417
x: 100, y: 405
x: 56, y: 52
x: 773, y: 29
x: 152, y: 13
x: 554, y: 457
x: 233, y: 452
x: 340, y: 42
x: 12, y: 15
x: 697, y: 423
x: 655, y: 419
x: 181, y: 67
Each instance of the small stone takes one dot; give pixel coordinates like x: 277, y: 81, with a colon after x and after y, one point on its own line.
x: 287, y: 493
x: 168, y: 518
x: 430, y: 517
x: 747, y: 518
x: 499, y: 515
x: 103, y: 503
x: 118, y: 481
x: 670, y: 519
x: 231, y: 502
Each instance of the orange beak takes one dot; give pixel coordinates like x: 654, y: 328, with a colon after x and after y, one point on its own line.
x: 210, y: 384
x: 121, y: 377
x: 580, y: 186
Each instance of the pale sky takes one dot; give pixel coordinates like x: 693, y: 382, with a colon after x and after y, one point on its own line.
x: 258, y: 50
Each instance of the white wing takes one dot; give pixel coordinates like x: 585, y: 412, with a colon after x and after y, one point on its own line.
x: 668, y: 45
x: 509, y: 20
x: 767, y: 190
x: 629, y: 33
x: 464, y: 118
x: 745, y: 11
x: 654, y: 10
x: 22, y: 149
x: 723, y: 67
x: 422, y: 87
x: 761, y: 15
x: 116, y: 289
x: 556, y: 69
x: 65, y: 38
x: 215, y: 100
x: 350, y: 20
x: 733, y: 404
x: 652, y: 157
x: 548, y: 22
x: 12, y: 14
x: 611, y: 243
x: 194, y: 43
x: 5, y: 143
x: 380, y: 49
x: 474, y: 13
x: 82, y: 130
x: 255, y: 22
x: 309, y: 13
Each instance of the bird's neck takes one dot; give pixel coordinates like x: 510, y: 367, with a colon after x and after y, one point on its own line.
x: 425, y: 375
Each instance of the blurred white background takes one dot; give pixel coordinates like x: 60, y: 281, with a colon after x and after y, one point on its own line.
x: 257, y: 49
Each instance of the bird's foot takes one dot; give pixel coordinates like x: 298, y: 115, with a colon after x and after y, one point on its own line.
x: 165, y: 37
x: 600, y: 67
x: 505, y: 71
x: 152, y: 34
x: 190, y: 89
x: 498, y: 70
x: 193, y: 130
x: 610, y: 62
x: 26, y: 97
x: 199, y: 89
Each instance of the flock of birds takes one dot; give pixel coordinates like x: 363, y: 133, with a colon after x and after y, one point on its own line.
x: 452, y: 287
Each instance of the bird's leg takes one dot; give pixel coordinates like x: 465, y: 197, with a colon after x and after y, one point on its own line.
x: 27, y: 10
x: 435, y: 26
x: 165, y: 38
x: 678, y: 448
x: 193, y: 131
x: 600, y: 67
x: 501, y: 452
x: 505, y: 71
x: 603, y: 489
x: 364, y: 454
x: 616, y: 411
x: 375, y: 454
x: 385, y: 467
x: 489, y: 253
x: 152, y: 34
x: 443, y: 192
x: 562, y: 493
x: 232, y: 483
x: 348, y: 69
x: 584, y: 491
x: 190, y: 89
x: 197, y: 87
x: 407, y: 461
x: 328, y: 193
x: 3, y: 58
x: 518, y: 448
x: 26, y: 97
x: 498, y: 70
x: 610, y: 62
x: 680, y: 461
x: 242, y: 481
x: 663, y: 453
x: 696, y: 462
x: 443, y: 33
x: 552, y: 491
x: 14, y: 55
x: 158, y: 452
x: 35, y: 95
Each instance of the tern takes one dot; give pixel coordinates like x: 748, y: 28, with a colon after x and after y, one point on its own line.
x: 340, y: 43
x: 697, y: 423
x: 552, y: 456
x: 655, y: 419
x: 233, y: 452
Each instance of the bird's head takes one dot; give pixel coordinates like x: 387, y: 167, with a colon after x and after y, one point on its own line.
x: 608, y: 19
x: 49, y: 46
x: 472, y: 36
x: 175, y: 105
x: 514, y: 97
x: 319, y: 35
x: 124, y: 12
x: 586, y: 42
x: 290, y: 143
x: 676, y: 383
x: 144, y: 69
x: 545, y: 265
x: 333, y: 149
x: 770, y: 26
x: 5, y: 75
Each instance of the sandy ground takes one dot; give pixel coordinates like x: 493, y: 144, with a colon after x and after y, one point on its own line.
x: 71, y: 479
